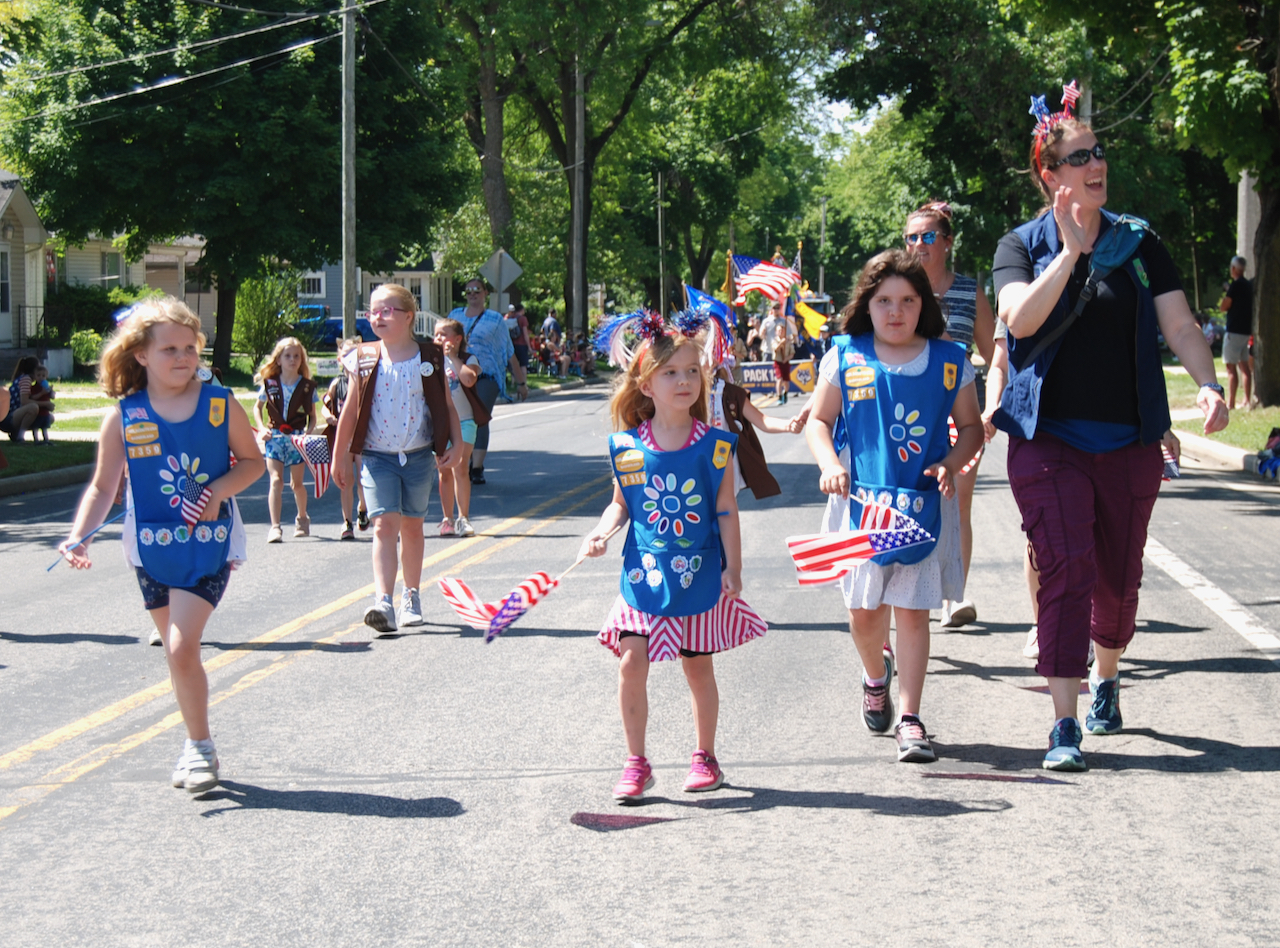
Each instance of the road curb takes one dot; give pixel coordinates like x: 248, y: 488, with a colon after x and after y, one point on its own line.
x: 45, y: 480
x: 566, y: 386
x: 1206, y: 449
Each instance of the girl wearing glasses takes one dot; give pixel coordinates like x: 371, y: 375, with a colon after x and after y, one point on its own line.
x: 1084, y: 293
x: 929, y: 236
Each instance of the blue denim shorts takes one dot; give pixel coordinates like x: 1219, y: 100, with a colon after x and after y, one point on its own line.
x: 390, y: 488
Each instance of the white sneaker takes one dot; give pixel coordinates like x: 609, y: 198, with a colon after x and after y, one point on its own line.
x: 156, y: 638
x: 410, y: 608
x: 464, y: 528
x: 962, y: 613
x: 381, y: 617
x: 1032, y: 648
x: 197, y: 769
x: 275, y: 534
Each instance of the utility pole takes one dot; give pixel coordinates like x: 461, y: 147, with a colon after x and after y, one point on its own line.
x: 578, y: 315
x: 822, y: 250
x: 349, y: 171
x: 662, y: 254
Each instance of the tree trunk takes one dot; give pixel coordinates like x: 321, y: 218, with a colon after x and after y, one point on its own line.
x: 1266, y: 291
x: 484, y: 121
x: 225, y: 322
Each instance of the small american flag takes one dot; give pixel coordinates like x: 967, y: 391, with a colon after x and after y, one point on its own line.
x: 769, y: 278
x: 822, y: 558
x: 494, y: 618
x: 315, y: 453
x: 194, y: 499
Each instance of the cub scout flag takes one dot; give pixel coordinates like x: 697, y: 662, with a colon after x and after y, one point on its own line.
x: 813, y: 320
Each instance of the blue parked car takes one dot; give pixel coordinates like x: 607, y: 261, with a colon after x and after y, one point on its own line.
x: 327, y: 329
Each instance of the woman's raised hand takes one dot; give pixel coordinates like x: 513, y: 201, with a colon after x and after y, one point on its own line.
x: 1067, y: 215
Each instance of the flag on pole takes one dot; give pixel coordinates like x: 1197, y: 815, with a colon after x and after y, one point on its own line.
x: 706, y: 303
x: 494, y: 618
x: 768, y: 278
x: 314, y: 449
x: 822, y: 558
x: 813, y: 320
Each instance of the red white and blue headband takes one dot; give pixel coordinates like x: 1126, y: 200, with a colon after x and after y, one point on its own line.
x: 1045, y: 120
x: 645, y: 325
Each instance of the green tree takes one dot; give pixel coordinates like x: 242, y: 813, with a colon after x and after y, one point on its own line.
x: 187, y: 132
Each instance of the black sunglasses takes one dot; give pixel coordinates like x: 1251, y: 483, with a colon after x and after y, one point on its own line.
x: 1078, y: 159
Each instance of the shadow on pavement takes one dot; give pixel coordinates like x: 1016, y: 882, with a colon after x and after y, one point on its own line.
x: 287, y: 646
x: 763, y: 798
x: 68, y: 638
x: 248, y: 797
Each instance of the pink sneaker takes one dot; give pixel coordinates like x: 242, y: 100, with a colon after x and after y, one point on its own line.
x: 446, y: 527
x: 637, y: 777
x: 704, y: 774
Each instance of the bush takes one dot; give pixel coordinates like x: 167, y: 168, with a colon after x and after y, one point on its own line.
x: 86, y: 346
x: 266, y: 310
x: 71, y: 308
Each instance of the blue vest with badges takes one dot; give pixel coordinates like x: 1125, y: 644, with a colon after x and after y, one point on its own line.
x: 169, y: 464
x: 671, y: 560
x: 897, y: 427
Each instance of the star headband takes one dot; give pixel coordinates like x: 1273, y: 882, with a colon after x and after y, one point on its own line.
x: 645, y: 325
x: 1046, y: 120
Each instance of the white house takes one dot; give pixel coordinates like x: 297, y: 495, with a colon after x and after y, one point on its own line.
x: 22, y: 262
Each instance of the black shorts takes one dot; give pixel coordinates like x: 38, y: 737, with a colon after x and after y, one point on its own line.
x: 684, y: 652
x: 155, y: 594
x: 522, y: 356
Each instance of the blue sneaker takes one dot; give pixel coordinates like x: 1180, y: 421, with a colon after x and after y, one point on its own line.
x: 1064, y: 747
x: 888, y: 663
x: 1104, y: 713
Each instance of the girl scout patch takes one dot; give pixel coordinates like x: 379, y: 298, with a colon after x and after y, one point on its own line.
x: 217, y: 411
x: 721, y: 457
x: 1142, y: 272
x: 949, y: 375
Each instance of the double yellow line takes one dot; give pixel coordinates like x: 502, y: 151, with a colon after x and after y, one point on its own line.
x: 74, y: 769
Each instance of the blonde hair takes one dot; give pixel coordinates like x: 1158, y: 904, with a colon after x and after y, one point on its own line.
x: 629, y: 405
x: 402, y: 297
x: 119, y: 372
x: 270, y: 367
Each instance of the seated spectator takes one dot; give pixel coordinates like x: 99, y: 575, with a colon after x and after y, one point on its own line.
x: 42, y: 395
x: 23, y: 411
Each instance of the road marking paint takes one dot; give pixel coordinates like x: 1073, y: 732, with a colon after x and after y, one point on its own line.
x: 517, y: 414
x: 1227, y: 609
x: 86, y: 763
x: 111, y: 712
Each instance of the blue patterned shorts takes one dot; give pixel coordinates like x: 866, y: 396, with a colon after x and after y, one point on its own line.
x: 155, y: 594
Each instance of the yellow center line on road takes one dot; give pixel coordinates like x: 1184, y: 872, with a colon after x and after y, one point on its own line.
x: 86, y: 763
x: 111, y: 712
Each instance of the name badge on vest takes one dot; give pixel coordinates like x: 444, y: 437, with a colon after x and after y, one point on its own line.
x: 427, y: 370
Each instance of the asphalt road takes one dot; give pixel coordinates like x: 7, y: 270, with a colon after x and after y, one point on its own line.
x: 432, y: 790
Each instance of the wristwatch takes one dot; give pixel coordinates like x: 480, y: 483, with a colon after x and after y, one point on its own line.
x: 1214, y: 387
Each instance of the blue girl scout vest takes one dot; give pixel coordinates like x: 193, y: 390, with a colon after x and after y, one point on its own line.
x: 671, y: 560
x: 169, y: 464
x: 897, y: 426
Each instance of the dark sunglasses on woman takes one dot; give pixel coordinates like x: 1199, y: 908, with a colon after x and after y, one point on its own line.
x: 928, y: 237
x: 1080, y: 158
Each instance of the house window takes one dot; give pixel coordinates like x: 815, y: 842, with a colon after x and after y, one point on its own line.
x: 312, y: 285
x: 110, y: 270
x: 4, y: 282
x: 415, y: 287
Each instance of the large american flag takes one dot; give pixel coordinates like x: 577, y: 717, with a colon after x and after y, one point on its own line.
x: 494, y: 618
x: 314, y: 449
x: 770, y: 279
x: 822, y: 558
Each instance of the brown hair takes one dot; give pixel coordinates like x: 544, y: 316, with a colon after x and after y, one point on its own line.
x: 26, y: 365
x: 936, y: 210
x: 629, y: 405
x: 270, y: 367
x: 893, y: 263
x: 119, y: 373
x: 455, y: 327
x: 1042, y: 149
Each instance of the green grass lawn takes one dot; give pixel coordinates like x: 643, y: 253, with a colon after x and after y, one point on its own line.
x: 1248, y: 429
x: 27, y: 457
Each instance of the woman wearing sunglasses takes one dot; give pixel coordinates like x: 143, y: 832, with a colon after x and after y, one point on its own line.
x: 929, y: 236
x: 1084, y: 293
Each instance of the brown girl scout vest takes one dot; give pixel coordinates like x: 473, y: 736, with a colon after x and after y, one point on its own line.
x: 755, y: 472
x: 434, y: 389
x: 293, y: 420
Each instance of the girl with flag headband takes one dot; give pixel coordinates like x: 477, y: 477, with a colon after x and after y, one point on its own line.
x: 1086, y: 294
x: 189, y: 450
x: 682, y: 558
x: 892, y: 382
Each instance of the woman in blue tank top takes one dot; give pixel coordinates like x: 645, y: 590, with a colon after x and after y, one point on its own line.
x: 928, y: 234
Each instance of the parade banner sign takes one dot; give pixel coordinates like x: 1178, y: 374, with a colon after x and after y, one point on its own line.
x: 757, y: 377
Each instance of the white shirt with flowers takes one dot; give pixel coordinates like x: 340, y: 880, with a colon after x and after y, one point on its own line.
x: 399, y: 422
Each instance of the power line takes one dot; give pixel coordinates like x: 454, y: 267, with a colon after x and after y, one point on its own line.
x: 227, y: 6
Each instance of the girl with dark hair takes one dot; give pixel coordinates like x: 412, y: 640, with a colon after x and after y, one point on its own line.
x: 1085, y: 294
x: 23, y: 410
x: 893, y: 382
x: 928, y: 235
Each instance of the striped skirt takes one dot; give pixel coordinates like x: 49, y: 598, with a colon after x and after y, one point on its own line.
x: 727, y: 624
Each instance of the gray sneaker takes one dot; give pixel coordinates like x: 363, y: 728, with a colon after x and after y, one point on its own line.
x: 410, y: 608
x: 196, y: 770
x: 381, y: 617
x: 463, y: 527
